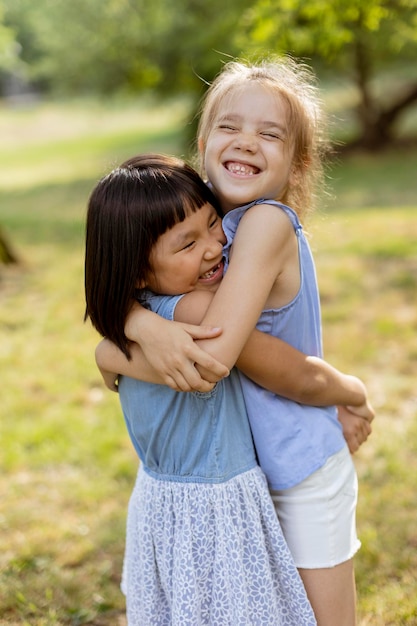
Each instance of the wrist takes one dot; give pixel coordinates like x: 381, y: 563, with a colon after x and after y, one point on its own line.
x: 358, y: 391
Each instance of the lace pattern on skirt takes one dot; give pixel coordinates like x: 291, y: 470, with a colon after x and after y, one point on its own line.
x: 203, y: 554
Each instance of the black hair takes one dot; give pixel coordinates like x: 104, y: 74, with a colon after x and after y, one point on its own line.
x: 128, y: 210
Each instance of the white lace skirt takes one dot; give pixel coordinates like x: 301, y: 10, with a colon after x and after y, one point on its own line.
x: 199, y: 554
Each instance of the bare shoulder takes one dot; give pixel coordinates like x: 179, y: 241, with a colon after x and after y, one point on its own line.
x: 267, y: 219
x: 265, y: 210
x: 264, y: 230
x: 193, y: 306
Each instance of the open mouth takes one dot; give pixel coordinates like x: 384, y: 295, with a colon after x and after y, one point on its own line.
x: 214, y: 272
x: 241, y: 169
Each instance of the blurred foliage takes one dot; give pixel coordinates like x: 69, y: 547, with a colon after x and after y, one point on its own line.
x: 108, y: 46
x: 362, y: 41
x: 334, y: 29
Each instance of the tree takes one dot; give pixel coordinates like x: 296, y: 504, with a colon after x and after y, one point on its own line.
x: 9, y: 47
x: 360, y: 39
x: 105, y: 46
x: 8, y: 56
x: 109, y: 46
x: 7, y: 254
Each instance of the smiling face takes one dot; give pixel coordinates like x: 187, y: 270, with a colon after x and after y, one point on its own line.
x: 188, y: 256
x: 247, y: 153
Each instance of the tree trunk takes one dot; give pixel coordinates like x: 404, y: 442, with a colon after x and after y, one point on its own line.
x: 367, y: 110
x: 7, y: 255
x: 377, y: 125
x: 389, y: 116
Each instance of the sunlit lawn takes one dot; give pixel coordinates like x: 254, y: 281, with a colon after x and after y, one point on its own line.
x: 67, y: 466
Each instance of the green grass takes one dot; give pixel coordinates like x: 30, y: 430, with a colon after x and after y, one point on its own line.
x: 67, y: 466
x: 386, y: 180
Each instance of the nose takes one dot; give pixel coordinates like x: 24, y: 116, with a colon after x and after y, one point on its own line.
x: 246, y: 141
x: 214, y: 246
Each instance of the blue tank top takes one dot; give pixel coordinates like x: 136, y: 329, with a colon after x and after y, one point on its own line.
x: 292, y: 440
x: 188, y: 437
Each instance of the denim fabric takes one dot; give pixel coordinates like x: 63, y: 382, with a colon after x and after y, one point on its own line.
x: 196, y: 437
x: 204, y: 545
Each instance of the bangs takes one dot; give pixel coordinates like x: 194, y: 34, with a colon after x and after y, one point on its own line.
x: 172, y: 197
x: 177, y: 198
x: 158, y: 192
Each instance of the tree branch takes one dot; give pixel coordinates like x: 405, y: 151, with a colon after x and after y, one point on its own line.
x: 389, y: 115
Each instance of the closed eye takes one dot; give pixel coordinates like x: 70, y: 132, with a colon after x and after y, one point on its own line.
x: 227, y: 127
x: 188, y: 245
x: 272, y: 136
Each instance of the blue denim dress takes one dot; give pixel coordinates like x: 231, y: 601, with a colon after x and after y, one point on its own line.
x: 204, y: 546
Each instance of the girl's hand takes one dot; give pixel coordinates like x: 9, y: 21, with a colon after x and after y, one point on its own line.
x: 364, y: 410
x: 175, y: 355
x: 110, y: 379
x: 170, y: 349
x: 356, y: 424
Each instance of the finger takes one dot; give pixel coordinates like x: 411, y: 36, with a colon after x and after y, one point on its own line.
x: 176, y: 383
x: 170, y: 382
x: 363, y: 436
x: 369, y: 417
x: 362, y: 412
x: 200, y: 357
x: 353, y: 445
x: 190, y: 380
x: 202, y: 332
x: 364, y: 428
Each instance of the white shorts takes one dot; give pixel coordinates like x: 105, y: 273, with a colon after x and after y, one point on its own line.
x: 318, y: 516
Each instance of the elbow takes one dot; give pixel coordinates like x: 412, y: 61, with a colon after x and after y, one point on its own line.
x: 100, y: 355
x: 105, y: 354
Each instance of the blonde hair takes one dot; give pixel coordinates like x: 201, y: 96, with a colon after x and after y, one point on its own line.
x: 295, y: 83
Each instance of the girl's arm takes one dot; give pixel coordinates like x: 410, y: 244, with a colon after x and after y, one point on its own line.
x: 280, y: 368
x: 171, y: 350
x: 264, y: 252
x: 277, y: 366
x: 320, y: 379
x: 263, y: 243
x: 263, y: 249
x: 112, y: 363
x: 309, y: 380
x: 268, y: 360
x: 236, y: 309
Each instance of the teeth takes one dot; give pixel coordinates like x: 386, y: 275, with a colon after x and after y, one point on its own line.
x: 210, y: 272
x: 239, y: 168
